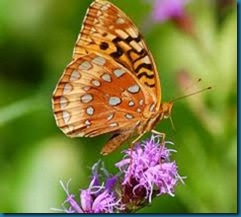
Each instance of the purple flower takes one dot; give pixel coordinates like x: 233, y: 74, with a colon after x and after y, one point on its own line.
x: 174, y: 10
x: 148, y: 172
x: 145, y: 172
x: 97, y: 198
x: 168, y: 9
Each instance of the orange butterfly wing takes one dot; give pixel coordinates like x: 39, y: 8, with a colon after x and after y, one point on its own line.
x: 112, y: 84
x: 109, y: 32
x: 93, y: 97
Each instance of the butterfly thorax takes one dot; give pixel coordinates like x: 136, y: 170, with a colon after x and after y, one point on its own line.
x: 166, y: 109
x: 150, y: 123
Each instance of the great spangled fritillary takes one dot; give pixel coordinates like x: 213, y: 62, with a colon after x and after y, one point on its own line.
x: 111, y: 84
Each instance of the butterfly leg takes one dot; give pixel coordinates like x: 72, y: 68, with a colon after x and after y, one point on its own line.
x: 163, y: 135
x: 133, y: 142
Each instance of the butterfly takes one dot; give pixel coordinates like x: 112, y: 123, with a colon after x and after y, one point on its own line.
x: 112, y: 84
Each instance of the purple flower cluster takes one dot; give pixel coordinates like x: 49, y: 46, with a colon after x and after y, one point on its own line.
x: 168, y: 9
x: 149, y: 167
x: 145, y: 173
x: 173, y: 10
x: 97, y: 198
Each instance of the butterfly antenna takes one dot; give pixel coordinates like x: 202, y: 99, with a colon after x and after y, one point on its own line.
x: 194, y: 93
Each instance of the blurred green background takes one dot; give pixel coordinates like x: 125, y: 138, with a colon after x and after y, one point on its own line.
x: 36, y: 43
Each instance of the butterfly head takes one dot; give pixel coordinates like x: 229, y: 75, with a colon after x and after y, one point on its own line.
x: 166, y: 109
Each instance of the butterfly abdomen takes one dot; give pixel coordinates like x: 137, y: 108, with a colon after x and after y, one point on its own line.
x: 114, y: 142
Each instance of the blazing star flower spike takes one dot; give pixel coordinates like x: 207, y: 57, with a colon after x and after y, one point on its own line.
x: 96, y: 198
x: 148, y: 172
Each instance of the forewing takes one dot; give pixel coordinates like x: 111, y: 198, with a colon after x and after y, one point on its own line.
x: 109, y: 32
x: 96, y: 95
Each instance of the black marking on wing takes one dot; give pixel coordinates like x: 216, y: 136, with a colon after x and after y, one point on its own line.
x: 139, y: 76
x: 118, y: 53
x: 141, y: 53
x: 149, y: 85
x: 127, y: 40
x: 104, y: 46
x: 144, y: 65
x: 143, y: 68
